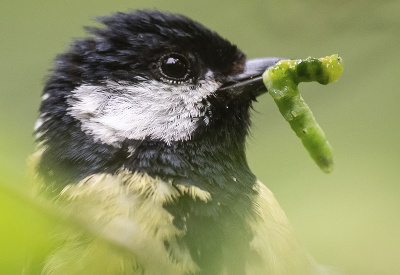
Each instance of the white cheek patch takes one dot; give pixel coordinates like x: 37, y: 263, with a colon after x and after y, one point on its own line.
x: 117, y: 111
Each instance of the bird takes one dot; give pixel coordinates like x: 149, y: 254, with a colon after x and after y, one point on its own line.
x: 142, y: 138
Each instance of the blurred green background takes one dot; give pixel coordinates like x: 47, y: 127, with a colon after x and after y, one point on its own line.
x: 350, y: 218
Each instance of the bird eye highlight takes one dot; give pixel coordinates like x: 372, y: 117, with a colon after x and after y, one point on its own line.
x: 174, y: 67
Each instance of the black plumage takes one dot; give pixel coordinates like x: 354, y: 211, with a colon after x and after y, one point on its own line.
x: 217, y: 232
x: 128, y: 47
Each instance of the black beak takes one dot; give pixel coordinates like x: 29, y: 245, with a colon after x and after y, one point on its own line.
x: 250, y: 83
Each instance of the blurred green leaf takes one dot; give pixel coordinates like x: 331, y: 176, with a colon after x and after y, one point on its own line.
x: 25, y: 227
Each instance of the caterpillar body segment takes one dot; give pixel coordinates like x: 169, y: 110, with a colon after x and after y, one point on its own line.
x: 282, y: 82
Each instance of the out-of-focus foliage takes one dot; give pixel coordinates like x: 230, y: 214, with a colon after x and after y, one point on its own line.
x: 25, y: 225
x: 349, y: 218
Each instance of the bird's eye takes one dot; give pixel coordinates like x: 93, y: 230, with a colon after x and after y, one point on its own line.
x: 174, y: 67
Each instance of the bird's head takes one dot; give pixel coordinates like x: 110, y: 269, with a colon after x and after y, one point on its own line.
x: 144, y: 91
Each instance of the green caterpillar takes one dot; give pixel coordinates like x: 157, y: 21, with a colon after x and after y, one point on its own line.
x: 282, y: 82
